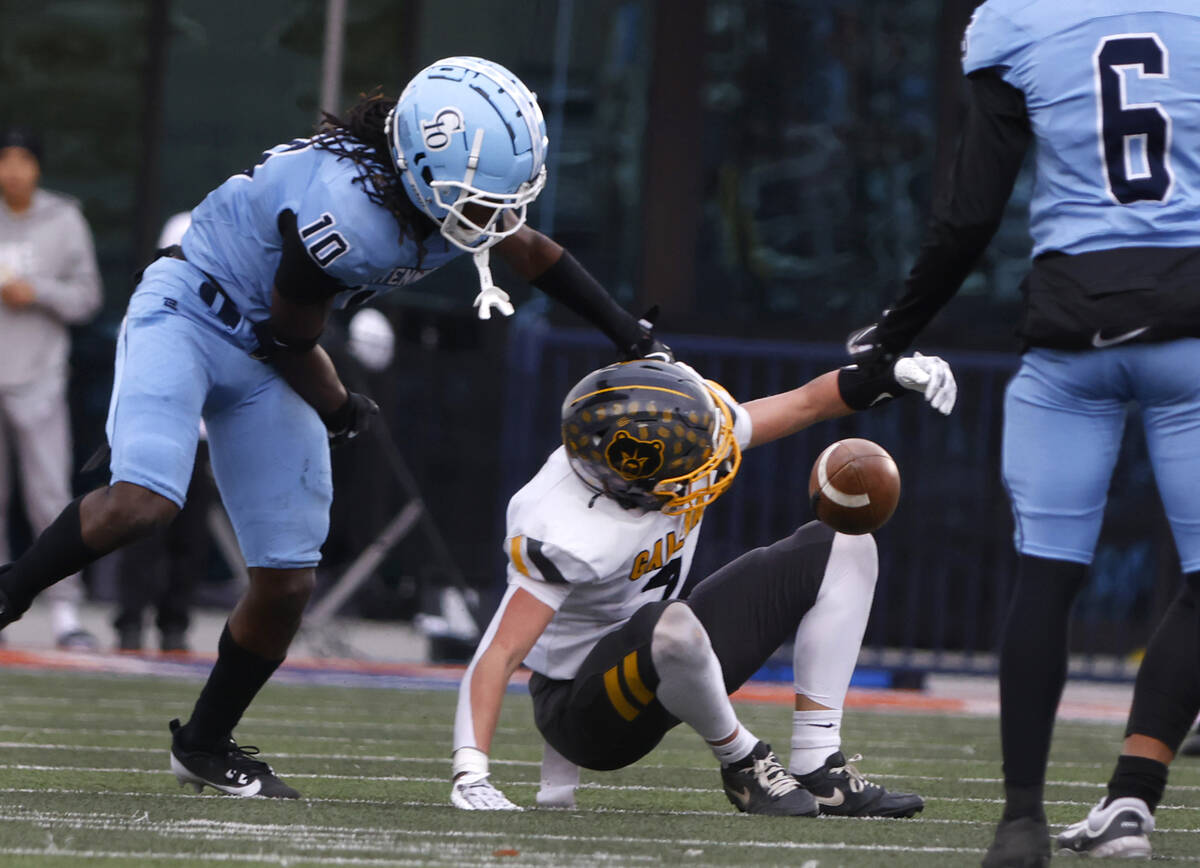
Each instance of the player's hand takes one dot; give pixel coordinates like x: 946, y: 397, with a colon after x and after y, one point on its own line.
x: 474, y: 792
x: 351, y: 419
x: 865, y: 350
x: 931, y: 376
x: 648, y: 346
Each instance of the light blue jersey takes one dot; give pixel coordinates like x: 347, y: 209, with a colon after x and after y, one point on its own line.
x: 1113, y: 93
x: 235, y: 236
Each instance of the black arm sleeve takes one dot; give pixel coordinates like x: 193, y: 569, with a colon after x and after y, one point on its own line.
x: 995, y: 136
x: 568, y: 282
x: 298, y: 278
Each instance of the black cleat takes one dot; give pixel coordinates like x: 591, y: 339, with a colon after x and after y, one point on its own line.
x: 841, y: 791
x: 1020, y: 843
x: 759, y: 784
x: 231, y: 770
x: 1191, y: 747
x: 8, y: 612
x: 1115, y: 830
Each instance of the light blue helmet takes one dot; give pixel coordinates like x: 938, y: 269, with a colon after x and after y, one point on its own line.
x: 467, y: 131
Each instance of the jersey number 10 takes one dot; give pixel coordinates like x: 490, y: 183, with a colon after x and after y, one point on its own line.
x: 1135, y: 138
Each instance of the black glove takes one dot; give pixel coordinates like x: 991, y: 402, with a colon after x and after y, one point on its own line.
x: 351, y: 419
x: 865, y: 349
x: 647, y: 346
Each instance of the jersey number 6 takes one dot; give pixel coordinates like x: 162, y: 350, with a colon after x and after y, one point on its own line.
x: 1135, y: 138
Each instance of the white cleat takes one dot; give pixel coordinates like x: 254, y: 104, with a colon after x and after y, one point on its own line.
x: 1117, y: 831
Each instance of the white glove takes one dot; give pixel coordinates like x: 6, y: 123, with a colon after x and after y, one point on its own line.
x: 474, y: 792
x: 930, y: 376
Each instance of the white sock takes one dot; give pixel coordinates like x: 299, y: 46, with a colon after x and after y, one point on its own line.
x: 815, y: 735
x: 691, y: 685
x: 737, y: 748
x: 65, y: 616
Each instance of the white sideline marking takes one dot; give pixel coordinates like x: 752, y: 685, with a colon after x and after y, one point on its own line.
x: 268, y: 858
x: 395, y: 803
x: 353, y: 836
x: 583, y: 786
x: 533, y: 764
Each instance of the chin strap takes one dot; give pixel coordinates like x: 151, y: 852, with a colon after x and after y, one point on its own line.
x: 490, y: 296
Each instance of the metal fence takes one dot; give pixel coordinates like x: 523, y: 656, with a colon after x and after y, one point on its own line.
x: 946, y: 557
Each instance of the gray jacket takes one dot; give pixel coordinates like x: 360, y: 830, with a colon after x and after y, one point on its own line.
x: 50, y: 246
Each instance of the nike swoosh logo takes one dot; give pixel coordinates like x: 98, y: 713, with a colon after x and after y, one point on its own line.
x: 1100, y: 342
x: 822, y: 725
x: 742, y: 795
x: 832, y: 801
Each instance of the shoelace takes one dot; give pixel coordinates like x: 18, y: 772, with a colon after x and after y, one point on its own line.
x: 241, y: 757
x: 773, y: 777
x: 482, y: 794
x: 858, y: 781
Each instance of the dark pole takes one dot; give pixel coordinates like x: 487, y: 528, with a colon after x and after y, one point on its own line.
x: 674, y: 129
x: 148, y: 188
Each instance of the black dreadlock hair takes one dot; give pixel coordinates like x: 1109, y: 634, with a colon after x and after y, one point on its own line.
x: 359, y: 137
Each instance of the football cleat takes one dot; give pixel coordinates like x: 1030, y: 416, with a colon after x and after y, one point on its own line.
x: 231, y: 769
x: 1191, y: 747
x: 1117, y: 829
x: 474, y: 792
x: 1023, y: 842
x: 841, y: 791
x: 6, y: 614
x: 759, y: 784
x: 8, y: 611
x: 78, y: 639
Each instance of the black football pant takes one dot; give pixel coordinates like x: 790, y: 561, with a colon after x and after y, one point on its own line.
x: 607, y: 717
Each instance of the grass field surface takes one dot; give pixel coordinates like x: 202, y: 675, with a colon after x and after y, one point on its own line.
x: 84, y: 781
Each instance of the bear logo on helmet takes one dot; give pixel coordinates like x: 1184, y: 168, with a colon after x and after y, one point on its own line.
x: 633, y: 458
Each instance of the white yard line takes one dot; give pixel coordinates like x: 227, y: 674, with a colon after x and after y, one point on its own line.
x: 583, y: 786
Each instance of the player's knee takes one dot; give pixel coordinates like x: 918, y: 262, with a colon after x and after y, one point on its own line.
x: 861, y: 554
x: 134, y: 511
x: 286, y: 591
x: 679, y: 637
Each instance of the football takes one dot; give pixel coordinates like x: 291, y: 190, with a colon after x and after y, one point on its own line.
x: 854, y: 486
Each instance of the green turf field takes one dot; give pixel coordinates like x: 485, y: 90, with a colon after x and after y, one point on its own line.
x: 83, y: 780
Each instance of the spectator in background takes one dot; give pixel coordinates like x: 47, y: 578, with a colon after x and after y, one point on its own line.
x: 163, y: 569
x: 49, y: 280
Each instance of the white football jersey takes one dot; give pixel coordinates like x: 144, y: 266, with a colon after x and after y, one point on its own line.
x: 592, y: 561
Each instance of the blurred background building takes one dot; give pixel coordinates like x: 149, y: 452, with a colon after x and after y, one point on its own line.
x: 760, y: 169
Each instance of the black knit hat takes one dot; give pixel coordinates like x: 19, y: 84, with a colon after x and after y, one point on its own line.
x: 21, y: 137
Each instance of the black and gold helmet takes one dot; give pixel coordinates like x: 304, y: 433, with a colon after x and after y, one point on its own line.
x: 652, y: 435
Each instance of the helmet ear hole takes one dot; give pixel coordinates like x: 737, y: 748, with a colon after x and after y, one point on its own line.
x: 426, y: 174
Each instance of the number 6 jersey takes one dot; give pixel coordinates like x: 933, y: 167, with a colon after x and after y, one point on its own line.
x: 592, y: 561
x: 1112, y: 88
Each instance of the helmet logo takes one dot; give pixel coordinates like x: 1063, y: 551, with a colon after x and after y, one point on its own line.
x: 438, y: 131
x: 633, y: 458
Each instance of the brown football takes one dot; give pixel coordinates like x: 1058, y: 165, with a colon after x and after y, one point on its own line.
x: 854, y: 486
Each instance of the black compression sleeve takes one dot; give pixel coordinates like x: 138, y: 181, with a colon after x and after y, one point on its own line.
x: 568, y: 282
x: 995, y: 137
x: 298, y: 278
